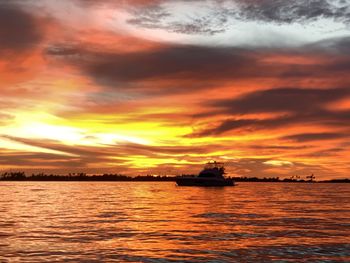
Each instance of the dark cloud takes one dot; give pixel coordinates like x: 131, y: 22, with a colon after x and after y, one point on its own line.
x: 337, y: 46
x: 242, y: 125
x: 306, y: 137
x: 201, y: 26
x: 284, y: 11
x: 278, y: 147
x: 325, y: 153
x: 29, y: 159
x: 174, y: 62
x: 342, y: 46
x: 19, y: 31
x: 250, y: 125
x: 282, y: 100
x: 299, y: 106
x: 203, y: 67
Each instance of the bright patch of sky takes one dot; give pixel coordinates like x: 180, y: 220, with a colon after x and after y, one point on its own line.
x: 223, y: 23
x: 262, y: 23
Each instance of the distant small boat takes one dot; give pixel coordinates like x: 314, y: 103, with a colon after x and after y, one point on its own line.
x: 211, y: 175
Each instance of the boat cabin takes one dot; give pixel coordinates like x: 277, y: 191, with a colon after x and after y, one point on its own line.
x: 213, y: 169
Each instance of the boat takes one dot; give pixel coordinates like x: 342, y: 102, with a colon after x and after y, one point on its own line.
x: 211, y: 175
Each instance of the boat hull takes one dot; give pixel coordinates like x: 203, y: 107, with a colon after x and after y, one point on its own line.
x: 205, y: 182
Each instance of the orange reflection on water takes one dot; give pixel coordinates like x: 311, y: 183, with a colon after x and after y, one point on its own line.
x: 159, y: 221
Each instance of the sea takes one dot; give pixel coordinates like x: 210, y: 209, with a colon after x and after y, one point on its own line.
x: 161, y: 222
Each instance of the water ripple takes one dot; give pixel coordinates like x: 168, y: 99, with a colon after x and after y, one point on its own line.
x: 159, y: 222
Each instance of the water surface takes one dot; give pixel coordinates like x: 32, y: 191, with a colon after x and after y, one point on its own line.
x: 160, y: 222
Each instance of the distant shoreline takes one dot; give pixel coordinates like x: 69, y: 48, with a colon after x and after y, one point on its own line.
x: 81, y: 177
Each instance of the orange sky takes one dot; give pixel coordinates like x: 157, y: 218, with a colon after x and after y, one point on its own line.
x: 142, y: 87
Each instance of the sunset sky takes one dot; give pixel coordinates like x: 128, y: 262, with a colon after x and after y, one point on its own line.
x: 161, y: 87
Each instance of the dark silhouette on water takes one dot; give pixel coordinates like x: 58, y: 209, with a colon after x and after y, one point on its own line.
x: 211, y: 175
x: 21, y: 176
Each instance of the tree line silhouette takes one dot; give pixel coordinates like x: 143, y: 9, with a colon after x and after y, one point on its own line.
x: 21, y: 176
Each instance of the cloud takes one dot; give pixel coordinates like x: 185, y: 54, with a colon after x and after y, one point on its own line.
x: 168, y: 62
x: 282, y: 11
x: 212, y: 22
x: 220, y: 16
x: 202, y: 66
x: 43, y: 160
x: 282, y: 100
x: 339, y: 46
x: 266, y: 167
x: 322, y: 117
x: 197, y: 67
x: 342, y: 45
x: 241, y: 125
x: 18, y: 30
x: 122, y: 2
x: 297, y: 106
x: 331, y: 152
x: 115, y: 150
x: 278, y: 147
x: 98, y: 159
x: 4, y: 117
x: 95, y: 154
x: 62, y: 50
x: 306, y: 137
x: 149, y: 16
